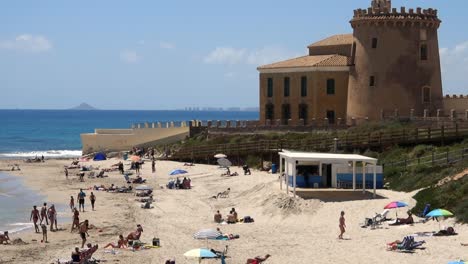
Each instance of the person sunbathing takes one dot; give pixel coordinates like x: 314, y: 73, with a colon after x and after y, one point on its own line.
x: 258, y: 259
x: 135, y: 235
x: 121, y: 243
x: 404, y: 221
x: 446, y: 232
x: 464, y: 244
x: 4, y: 238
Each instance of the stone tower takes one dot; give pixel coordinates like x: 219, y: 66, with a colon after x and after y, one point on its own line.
x: 395, y: 64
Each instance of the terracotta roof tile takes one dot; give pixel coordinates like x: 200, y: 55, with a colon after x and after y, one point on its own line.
x: 343, y: 39
x: 309, y: 61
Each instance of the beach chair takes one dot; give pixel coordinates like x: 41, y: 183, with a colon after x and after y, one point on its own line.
x: 407, y: 245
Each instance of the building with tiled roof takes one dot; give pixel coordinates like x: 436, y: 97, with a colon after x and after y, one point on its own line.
x: 389, y: 64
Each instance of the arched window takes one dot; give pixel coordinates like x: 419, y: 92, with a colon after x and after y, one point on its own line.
x: 426, y: 94
x: 286, y: 113
x: 269, y: 112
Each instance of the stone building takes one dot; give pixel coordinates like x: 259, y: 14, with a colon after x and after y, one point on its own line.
x: 389, y: 65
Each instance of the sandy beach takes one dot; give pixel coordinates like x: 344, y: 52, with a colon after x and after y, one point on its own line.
x: 291, y: 230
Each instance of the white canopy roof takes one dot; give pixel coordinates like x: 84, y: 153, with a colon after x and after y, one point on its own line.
x: 325, y: 157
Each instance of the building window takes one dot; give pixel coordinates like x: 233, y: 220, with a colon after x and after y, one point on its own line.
x: 303, y: 112
x: 286, y: 113
x: 270, y: 87
x: 372, y: 81
x: 374, y: 43
x: 423, y: 52
x: 286, y: 86
x: 426, y: 95
x: 331, y: 86
x: 270, y: 112
x: 331, y: 116
x: 303, y: 86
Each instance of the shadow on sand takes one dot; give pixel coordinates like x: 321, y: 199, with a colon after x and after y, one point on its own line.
x: 337, y: 195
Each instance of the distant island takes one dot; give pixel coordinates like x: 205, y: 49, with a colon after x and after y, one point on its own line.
x: 84, y: 106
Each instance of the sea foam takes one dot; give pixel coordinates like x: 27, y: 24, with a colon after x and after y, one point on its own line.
x: 46, y: 154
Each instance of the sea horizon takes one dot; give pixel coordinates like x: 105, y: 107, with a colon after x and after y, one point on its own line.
x: 56, y: 133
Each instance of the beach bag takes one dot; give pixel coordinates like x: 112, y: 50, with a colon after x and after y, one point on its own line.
x: 248, y: 219
x: 156, y: 242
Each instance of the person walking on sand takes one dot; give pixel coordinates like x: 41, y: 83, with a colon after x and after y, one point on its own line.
x: 35, y: 218
x: 342, y: 225
x: 84, y: 226
x: 72, y: 203
x: 81, y: 199
x: 52, y: 213
x: 92, y: 198
x: 153, y: 165
x: 76, y: 220
x: 66, y: 173
x: 44, y: 214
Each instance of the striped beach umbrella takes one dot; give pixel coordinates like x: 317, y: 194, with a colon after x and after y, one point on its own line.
x: 207, y: 234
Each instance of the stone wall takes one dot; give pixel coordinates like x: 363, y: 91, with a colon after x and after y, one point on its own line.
x: 125, y: 139
x: 457, y: 103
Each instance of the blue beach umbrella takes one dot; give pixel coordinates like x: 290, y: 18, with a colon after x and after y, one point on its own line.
x: 439, y: 213
x: 177, y: 172
x: 457, y: 262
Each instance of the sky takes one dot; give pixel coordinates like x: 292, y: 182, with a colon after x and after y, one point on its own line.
x: 153, y: 55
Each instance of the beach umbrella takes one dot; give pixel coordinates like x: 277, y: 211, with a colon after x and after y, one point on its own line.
x: 207, y: 234
x: 439, y: 213
x: 394, y: 205
x: 220, y: 156
x: 135, y: 158
x: 177, y: 172
x: 200, y: 253
x: 143, y: 188
x: 457, y: 262
x: 223, y: 162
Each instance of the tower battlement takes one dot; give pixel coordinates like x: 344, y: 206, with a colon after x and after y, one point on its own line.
x: 427, y: 17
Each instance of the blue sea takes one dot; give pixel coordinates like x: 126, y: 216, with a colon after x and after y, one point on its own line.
x: 56, y: 133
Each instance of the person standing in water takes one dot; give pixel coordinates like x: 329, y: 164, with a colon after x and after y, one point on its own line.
x: 342, y: 225
x: 35, y: 218
x: 44, y: 214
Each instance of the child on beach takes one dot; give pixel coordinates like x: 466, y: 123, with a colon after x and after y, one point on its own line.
x: 4, y: 238
x: 44, y: 233
x: 35, y: 218
x: 72, y: 203
x: 342, y: 225
x: 76, y: 220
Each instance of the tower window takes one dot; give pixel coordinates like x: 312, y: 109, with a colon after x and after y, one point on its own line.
x: 303, y: 86
x: 374, y: 43
x: 331, y: 86
x: 423, y: 51
x: 270, y: 87
x: 372, y: 81
x: 286, y: 86
x: 426, y: 95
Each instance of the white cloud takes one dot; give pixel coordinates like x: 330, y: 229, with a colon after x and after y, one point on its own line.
x: 27, y: 43
x: 455, y: 68
x: 130, y: 56
x: 265, y: 55
x: 166, y: 45
x: 226, y: 55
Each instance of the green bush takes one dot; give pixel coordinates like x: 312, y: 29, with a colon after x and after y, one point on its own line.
x: 254, y: 161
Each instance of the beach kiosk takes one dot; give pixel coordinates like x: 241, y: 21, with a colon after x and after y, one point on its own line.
x: 329, y: 170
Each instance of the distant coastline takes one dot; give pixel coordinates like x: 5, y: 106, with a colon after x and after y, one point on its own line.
x: 84, y: 106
